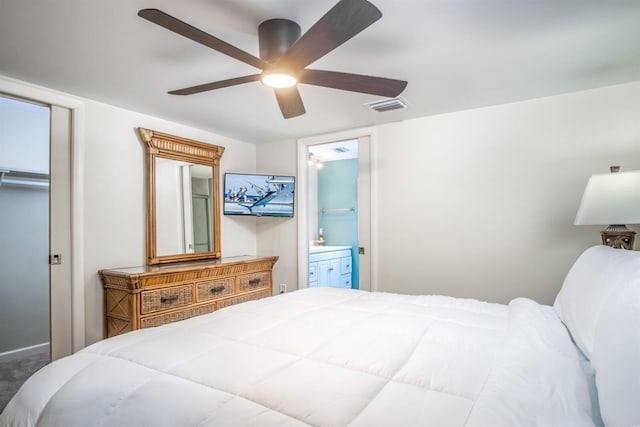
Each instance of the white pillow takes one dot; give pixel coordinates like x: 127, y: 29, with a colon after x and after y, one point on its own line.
x: 616, y: 355
x: 596, y: 274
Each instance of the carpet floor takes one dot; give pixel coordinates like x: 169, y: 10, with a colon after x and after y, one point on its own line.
x: 14, y: 373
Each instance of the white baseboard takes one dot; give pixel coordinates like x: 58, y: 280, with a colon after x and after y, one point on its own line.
x: 24, y: 352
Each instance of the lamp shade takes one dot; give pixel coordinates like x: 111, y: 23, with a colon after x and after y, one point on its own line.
x: 611, y: 198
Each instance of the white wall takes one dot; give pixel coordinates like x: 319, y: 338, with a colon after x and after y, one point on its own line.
x: 277, y: 236
x: 115, y: 196
x: 481, y: 203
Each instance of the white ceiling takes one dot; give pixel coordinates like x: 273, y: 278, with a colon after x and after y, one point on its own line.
x: 455, y: 54
x: 341, y: 150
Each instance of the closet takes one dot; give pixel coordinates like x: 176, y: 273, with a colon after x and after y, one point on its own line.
x: 24, y: 228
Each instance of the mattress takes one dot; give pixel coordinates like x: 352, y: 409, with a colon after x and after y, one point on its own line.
x: 323, y: 357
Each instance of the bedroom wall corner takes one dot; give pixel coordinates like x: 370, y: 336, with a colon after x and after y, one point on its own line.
x: 278, y: 236
x: 114, y: 192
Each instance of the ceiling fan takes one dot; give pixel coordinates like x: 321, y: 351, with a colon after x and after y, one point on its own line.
x: 284, y: 55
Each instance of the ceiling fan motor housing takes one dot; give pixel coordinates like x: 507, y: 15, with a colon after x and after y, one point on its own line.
x: 275, y: 36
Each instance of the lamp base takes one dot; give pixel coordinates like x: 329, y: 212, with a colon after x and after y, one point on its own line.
x: 617, y: 237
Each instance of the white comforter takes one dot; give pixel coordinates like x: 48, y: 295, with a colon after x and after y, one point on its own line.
x: 323, y: 357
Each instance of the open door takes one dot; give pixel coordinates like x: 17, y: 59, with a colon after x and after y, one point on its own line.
x: 60, y: 233
x: 364, y: 212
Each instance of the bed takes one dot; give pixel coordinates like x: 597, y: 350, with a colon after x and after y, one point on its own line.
x: 340, y: 357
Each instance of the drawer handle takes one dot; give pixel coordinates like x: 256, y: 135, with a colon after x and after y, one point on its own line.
x: 217, y: 289
x: 331, y: 269
x: 254, y: 282
x: 172, y: 298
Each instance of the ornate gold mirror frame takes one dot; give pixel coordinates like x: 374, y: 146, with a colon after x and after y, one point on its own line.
x: 187, y: 154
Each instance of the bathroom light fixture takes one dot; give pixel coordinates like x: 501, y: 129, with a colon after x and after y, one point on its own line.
x: 614, y: 199
x: 314, y: 161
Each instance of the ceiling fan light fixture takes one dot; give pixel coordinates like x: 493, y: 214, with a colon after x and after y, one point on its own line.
x: 278, y: 79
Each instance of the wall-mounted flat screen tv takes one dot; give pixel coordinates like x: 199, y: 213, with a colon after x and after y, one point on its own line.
x: 258, y: 195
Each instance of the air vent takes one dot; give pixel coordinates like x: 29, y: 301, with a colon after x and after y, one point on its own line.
x: 387, y: 104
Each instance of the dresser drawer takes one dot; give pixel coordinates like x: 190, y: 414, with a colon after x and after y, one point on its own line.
x: 249, y: 282
x: 244, y: 298
x: 163, y: 299
x: 214, y: 289
x: 161, y: 319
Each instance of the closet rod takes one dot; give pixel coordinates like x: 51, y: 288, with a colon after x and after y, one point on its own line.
x: 23, y: 178
x: 25, y: 183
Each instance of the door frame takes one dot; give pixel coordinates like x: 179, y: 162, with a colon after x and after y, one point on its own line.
x: 20, y: 89
x: 303, y: 145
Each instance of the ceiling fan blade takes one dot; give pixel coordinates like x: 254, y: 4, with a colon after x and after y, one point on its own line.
x: 290, y: 102
x: 216, y: 85
x: 177, y: 26
x: 353, y: 82
x: 346, y: 19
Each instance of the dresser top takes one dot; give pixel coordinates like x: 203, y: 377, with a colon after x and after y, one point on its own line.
x: 178, y: 266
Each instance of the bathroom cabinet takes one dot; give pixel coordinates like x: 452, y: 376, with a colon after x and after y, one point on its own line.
x: 330, y: 266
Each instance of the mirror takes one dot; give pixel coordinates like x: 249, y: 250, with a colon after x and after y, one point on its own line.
x: 183, y: 198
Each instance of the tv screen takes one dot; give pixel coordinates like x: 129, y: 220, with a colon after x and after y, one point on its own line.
x: 259, y: 195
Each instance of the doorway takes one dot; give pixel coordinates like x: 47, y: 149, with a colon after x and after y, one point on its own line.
x: 334, y: 222
x: 35, y: 145
x: 24, y: 227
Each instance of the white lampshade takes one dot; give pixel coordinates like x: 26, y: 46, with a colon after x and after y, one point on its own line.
x: 611, y: 198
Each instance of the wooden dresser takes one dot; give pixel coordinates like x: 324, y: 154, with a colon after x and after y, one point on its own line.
x: 142, y: 297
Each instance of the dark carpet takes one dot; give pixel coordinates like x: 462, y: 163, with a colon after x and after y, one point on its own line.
x: 15, y: 372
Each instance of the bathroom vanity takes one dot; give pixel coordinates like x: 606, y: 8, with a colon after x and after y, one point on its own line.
x: 330, y: 266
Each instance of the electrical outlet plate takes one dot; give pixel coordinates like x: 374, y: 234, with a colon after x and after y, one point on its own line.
x: 283, y: 288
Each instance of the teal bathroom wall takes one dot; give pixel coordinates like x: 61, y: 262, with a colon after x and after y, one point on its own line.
x: 338, y: 189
